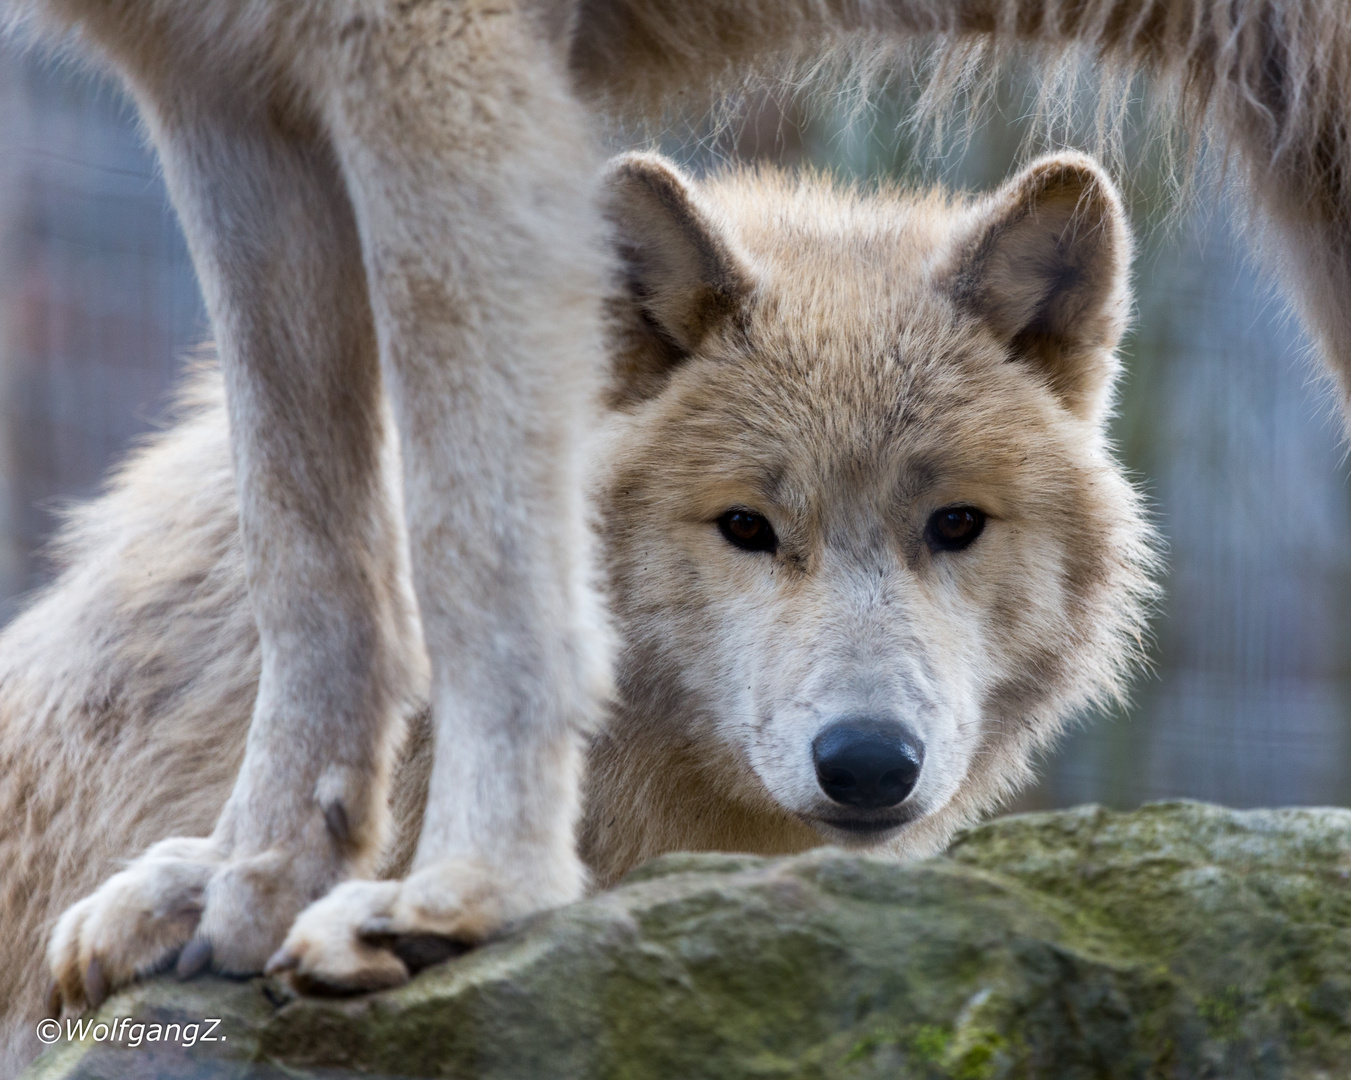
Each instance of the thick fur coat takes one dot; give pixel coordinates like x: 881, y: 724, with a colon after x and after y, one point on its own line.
x: 401, y: 194
x: 845, y: 365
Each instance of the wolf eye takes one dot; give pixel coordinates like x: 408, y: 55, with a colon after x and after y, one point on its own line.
x: 748, y: 530
x: 954, y: 527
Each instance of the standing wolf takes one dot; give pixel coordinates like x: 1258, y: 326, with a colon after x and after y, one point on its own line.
x: 866, y: 547
x: 401, y: 191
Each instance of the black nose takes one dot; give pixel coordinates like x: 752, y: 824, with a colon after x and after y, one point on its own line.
x: 867, y: 763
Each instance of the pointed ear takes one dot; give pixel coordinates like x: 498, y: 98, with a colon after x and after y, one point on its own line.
x: 1046, y: 266
x: 682, y: 275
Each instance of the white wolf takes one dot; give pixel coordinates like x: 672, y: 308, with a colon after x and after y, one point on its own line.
x: 866, y: 545
x: 401, y: 190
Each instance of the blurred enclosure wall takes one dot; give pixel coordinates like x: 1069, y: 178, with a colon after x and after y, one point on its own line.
x: 97, y: 299
x: 1222, y: 419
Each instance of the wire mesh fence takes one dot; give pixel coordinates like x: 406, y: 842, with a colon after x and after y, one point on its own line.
x: 97, y: 298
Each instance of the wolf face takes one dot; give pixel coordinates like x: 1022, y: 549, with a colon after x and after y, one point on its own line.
x: 867, y: 541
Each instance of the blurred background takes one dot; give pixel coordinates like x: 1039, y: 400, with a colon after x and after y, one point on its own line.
x: 1223, y: 417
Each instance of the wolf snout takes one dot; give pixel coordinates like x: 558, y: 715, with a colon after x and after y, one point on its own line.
x: 868, y: 764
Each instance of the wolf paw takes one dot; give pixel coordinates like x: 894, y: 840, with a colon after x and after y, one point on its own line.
x: 180, y: 904
x: 134, y: 924
x: 370, y: 935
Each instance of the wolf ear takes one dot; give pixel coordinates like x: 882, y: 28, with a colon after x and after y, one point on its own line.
x: 1046, y: 267
x: 683, y: 277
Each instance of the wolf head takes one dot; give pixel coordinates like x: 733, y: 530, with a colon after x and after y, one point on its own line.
x: 868, y: 545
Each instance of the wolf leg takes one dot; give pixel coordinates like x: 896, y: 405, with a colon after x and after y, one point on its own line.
x: 277, y: 248
x: 472, y: 171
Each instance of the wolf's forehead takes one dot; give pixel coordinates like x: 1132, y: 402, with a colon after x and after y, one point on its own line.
x: 818, y: 241
x: 860, y: 326
x: 909, y: 411
x: 866, y: 339
x: 856, y: 297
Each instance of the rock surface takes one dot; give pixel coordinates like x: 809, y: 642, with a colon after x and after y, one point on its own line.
x: 1180, y: 940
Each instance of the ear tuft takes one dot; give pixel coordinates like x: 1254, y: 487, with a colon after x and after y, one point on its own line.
x: 1046, y: 267
x: 681, y: 270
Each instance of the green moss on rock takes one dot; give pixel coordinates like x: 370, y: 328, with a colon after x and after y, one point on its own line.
x: 1181, y: 940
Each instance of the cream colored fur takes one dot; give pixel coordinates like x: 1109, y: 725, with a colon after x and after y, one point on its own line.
x: 397, y: 194
x: 401, y: 193
x: 842, y: 363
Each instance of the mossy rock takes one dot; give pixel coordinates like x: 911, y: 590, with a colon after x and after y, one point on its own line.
x: 1180, y: 940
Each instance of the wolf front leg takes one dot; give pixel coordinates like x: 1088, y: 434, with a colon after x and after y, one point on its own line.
x: 472, y: 171
x: 277, y: 248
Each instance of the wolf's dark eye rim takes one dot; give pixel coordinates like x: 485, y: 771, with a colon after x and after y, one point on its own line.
x: 953, y: 528
x: 747, y: 530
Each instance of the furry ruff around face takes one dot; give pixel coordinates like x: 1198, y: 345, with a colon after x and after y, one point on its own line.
x: 867, y: 542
